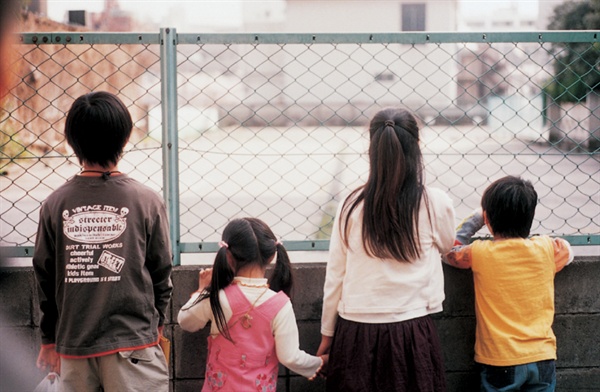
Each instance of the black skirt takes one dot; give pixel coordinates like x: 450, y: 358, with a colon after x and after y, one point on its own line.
x: 394, y: 357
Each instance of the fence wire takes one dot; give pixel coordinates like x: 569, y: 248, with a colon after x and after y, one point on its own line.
x: 275, y: 126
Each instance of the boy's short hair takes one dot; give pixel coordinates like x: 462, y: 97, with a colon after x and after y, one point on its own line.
x: 97, y: 128
x: 509, y: 204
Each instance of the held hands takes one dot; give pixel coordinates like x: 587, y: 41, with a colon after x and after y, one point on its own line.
x: 323, y: 370
x: 323, y: 352
x: 48, y: 359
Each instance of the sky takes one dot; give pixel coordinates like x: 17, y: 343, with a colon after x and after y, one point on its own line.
x: 228, y: 13
x: 223, y: 13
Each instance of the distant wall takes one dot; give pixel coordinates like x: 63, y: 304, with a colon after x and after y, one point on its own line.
x: 576, y: 325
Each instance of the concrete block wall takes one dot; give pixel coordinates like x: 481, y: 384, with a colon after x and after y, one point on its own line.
x: 577, y: 326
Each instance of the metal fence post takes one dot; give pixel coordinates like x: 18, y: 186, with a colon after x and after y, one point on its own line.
x: 170, y: 146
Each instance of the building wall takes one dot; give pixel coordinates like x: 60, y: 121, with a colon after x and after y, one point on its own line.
x: 405, y: 74
x: 379, y: 16
x: 576, y: 327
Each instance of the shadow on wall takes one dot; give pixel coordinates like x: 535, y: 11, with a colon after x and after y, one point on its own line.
x: 19, y: 339
x: 17, y: 360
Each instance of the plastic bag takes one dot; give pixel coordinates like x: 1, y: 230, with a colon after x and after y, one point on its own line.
x: 50, y: 383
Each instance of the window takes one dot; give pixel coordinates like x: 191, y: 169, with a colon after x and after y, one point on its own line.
x: 385, y: 77
x: 413, y: 17
x: 77, y: 17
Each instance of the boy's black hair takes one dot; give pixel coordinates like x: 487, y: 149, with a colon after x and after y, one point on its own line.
x: 97, y: 128
x: 509, y: 204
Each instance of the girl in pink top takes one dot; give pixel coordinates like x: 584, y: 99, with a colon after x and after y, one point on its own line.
x: 253, y: 326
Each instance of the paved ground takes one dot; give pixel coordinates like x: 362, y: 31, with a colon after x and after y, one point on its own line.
x: 294, y: 178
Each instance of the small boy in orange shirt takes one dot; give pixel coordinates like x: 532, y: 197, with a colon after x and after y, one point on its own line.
x: 514, y: 288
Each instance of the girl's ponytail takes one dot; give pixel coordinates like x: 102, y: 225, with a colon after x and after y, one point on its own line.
x: 282, y: 278
x: 222, y: 276
x: 392, y: 195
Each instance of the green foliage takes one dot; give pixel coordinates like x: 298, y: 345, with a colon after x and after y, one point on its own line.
x: 10, y: 147
x: 326, y: 224
x: 9, y: 150
x: 576, y: 65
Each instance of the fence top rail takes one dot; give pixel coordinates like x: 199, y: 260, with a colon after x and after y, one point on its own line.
x: 70, y: 38
x: 86, y: 38
x: 307, y: 245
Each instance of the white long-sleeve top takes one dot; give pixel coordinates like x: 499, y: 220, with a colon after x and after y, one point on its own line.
x: 285, y: 330
x: 366, y: 289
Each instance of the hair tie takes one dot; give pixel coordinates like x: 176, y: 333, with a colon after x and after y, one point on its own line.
x: 278, y: 243
x: 389, y: 123
x: 223, y: 244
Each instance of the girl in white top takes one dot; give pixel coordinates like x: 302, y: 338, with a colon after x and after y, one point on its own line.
x: 384, y: 274
x: 253, y: 326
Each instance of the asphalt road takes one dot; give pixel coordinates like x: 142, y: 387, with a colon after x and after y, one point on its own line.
x: 293, y: 179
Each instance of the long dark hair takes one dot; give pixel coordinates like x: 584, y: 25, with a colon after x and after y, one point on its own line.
x: 249, y: 241
x: 392, y: 195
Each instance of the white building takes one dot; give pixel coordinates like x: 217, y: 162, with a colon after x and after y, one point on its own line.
x: 511, y: 15
x: 498, y: 16
x: 337, y: 82
x: 376, y: 16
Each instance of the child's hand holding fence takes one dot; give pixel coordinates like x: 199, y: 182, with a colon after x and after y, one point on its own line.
x: 468, y: 227
x: 204, y: 278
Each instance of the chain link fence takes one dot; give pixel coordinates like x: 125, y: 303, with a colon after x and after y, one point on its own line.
x: 275, y: 125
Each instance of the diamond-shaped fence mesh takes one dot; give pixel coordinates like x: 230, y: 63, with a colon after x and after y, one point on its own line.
x: 276, y: 126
